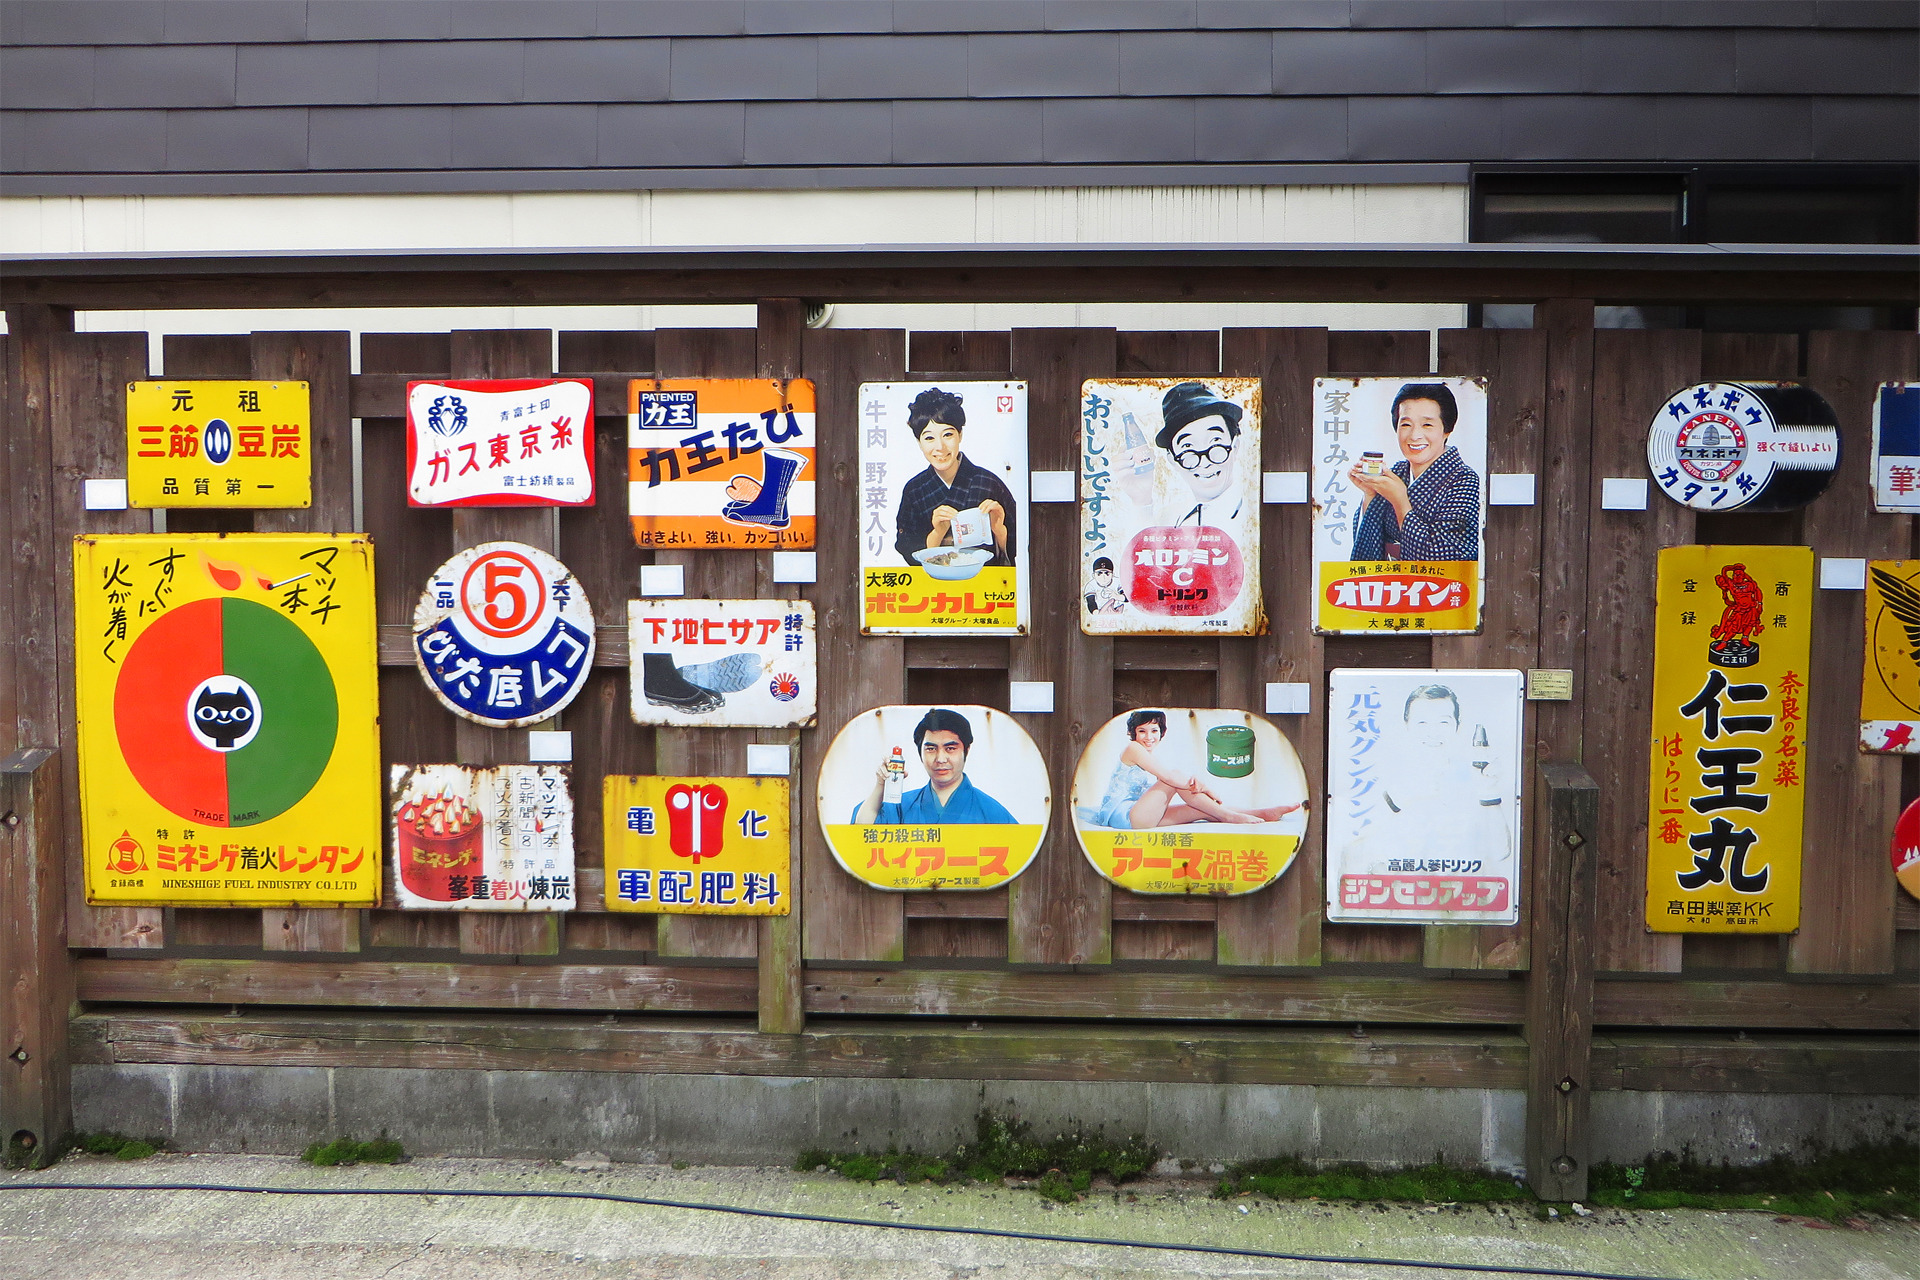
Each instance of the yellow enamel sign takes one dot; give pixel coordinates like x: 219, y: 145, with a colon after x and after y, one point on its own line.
x: 219, y: 444
x: 1174, y: 800
x: 229, y: 724
x: 925, y: 797
x: 1890, y: 685
x: 698, y: 846
x: 1729, y: 739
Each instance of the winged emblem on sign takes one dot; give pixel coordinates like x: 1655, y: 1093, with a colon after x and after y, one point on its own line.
x: 1902, y: 598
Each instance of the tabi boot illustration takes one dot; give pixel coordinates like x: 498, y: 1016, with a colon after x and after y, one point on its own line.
x: 768, y: 506
x: 730, y: 674
x: 663, y: 686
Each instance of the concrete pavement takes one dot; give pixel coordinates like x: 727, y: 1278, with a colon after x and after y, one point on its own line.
x: 177, y: 1235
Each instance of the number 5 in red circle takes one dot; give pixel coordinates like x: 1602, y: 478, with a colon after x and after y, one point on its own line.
x: 503, y: 594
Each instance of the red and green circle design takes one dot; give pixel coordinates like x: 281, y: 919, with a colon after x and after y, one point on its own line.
x: 289, y: 683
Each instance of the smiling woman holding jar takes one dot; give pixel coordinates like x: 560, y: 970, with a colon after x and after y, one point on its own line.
x: 1426, y: 506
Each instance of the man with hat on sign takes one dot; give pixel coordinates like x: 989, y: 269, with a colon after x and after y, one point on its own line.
x: 1201, y: 432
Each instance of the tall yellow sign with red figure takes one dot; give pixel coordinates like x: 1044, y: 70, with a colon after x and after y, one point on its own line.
x: 721, y: 463
x: 229, y: 723
x: 1727, y: 792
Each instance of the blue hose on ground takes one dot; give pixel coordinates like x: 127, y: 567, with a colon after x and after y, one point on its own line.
x: 1480, y: 1268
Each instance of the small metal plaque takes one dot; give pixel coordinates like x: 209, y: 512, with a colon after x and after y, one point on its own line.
x: 1547, y: 684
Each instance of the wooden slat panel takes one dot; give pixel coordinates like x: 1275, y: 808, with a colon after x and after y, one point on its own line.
x: 625, y: 988
x: 1738, y: 357
x: 597, y: 544
x: 1514, y: 362
x: 1167, y: 352
x: 1181, y: 940
x: 383, y: 396
x: 1059, y: 905
x: 969, y: 351
x: 883, y: 1050
x: 956, y: 939
x: 1363, y: 353
x: 1846, y: 896
x: 1668, y: 1063
x: 1107, y: 995
x: 1226, y: 681
x: 1830, y: 1006
x: 66, y: 421
x: 18, y: 425
x: 990, y: 904
x: 1282, y: 925
x: 1165, y: 653
x: 1633, y: 374
x: 503, y: 353
x: 844, y: 919
x: 939, y: 653
x: 324, y: 361
x: 711, y: 575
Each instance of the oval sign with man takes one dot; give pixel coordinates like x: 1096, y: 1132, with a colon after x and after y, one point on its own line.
x: 934, y: 797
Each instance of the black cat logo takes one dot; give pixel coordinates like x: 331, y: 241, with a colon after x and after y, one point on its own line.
x: 224, y: 713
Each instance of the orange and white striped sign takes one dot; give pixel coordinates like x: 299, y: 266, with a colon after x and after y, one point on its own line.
x: 717, y: 463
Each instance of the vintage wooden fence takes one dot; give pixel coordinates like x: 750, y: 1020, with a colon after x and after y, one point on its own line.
x: 858, y: 981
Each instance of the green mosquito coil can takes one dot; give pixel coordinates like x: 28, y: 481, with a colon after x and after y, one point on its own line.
x: 1230, y: 751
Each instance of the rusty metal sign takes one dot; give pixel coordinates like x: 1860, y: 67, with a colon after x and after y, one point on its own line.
x: 503, y: 635
x: 1176, y: 800
x: 1423, y: 796
x: 1399, y: 504
x: 746, y: 664
x: 943, y: 508
x: 1170, y: 506
x: 467, y: 838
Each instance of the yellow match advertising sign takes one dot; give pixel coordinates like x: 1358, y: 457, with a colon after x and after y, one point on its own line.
x: 698, y: 846
x: 229, y: 722
x: 219, y: 444
x: 1729, y: 735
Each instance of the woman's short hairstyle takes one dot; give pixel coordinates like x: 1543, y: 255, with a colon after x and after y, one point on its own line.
x: 1438, y: 392
x: 935, y: 405
x: 1139, y: 718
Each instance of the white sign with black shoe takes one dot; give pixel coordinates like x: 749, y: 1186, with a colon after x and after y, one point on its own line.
x: 745, y: 664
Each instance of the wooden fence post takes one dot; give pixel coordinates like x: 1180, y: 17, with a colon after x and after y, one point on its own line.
x: 35, y: 1107
x: 781, y: 322
x: 1559, y: 1027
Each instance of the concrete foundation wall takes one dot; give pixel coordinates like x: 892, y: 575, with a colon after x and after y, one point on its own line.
x: 718, y: 1119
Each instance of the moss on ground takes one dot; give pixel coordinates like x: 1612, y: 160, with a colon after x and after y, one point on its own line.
x: 1871, y: 1179
x: 1291, y: 1178
x: 1063, y: 1168
x: 343, y: 1151
x: 118, y: 1145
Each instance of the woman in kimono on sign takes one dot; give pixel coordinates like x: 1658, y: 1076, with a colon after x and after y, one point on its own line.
x: 1426, y: 506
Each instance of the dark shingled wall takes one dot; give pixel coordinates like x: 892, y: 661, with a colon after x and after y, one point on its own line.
x: 395, y: 95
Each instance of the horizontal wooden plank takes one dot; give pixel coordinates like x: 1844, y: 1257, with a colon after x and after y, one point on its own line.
x: 382, y: 396
x: 950, y: 1051
x: 1145, y: 653
x: 1755, y: 1006
x: 1755, y: 1064
x: 1143, y: 906
x: 986, y: 653
x: 1195, y: 996
x: 988, y: 905
x: 609, y: 645
x: 1666, y: 1062
x: 559, y: 987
